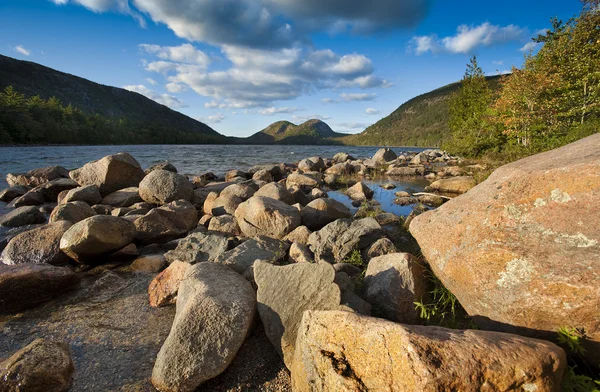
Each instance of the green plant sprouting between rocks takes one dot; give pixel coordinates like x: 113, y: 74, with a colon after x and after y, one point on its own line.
x: 573, y: 382
x: 354, y: 258
x: 571, y: 338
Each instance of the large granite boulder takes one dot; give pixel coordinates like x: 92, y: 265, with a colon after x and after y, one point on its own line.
x: 25, y: 285
x: 343, y: 351
x: 242, y: 258
x: 41, y: 366
x: 285, y: 292
x: 320, y: 212
x: 39, y: 246
x: 51, y: 189
x: 393, y: 283
x: 276, y: 191
x: 163, y: 186
x: 225, y: 204
x: 242, y: 191
x: 89, y: 194
x: 72, y: 212
x: 9, y: 194
x: 225, y: 224
x: 334, y: 242
x: 360, y: 191
x: 123, y: 197
x: 519, y: 250
x: 303, y: 180
x: 342, y: 157
x: 22, y: 216
x: 459, y: 184
x: 37, y: 176
x: 96, y: 237
x: 265, y: 216
x: 111, y: 173
x: 165, y: 165
x: 163, y: 289
x: 166, y: 223
x: 384, y: 155
x: 199, y: 247
x: 215, y: 310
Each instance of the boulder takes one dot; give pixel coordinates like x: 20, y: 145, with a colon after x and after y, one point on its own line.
x: 31, y: 198
x: 340, y: 168
x: 96, y: 237
x: 300, y: 253
x: 320, y: 212
x: 360, y: 191
x: 225, y: 224
x: 263, y: 175
x: 334, y: 242
x: 343, y: 351
x: 166, y: 223
x: 232, y: 174
x: 276, y: 191
x: 405, y: 171
x: 72, y: 212
x: 51, y: 189
x: 111, y: 173
x: 149, y: 263
x: 38, y: 246
x: 300, y: 235
x: 241, y: 258
x: 25, y: 285
x: 430, y: 200
x: 458, y: 185
x: 199, y: 247
x: 341, y: 157
x: 225, y: 204
x: 37, y: 176
x: 285, y: 293
x: 123, y: 197
x: 318, y: 162
x: 215, y: 310
x: 162, y: 187
x: 242, y: 191
x: 9, y: 194
x: 209, y: 200
x: 166, y: 165
x: 163, y: 289
x: 419, y: 159
x: 89, y: 194
x: 393, y: 283
x: 265, y: 216
x: 307, y: 165
x: 22, y: 216
x: 41, y: 366
x: 303, y: 180
x: 382, y: 246
x: 384, y: 155
x: 518, y: 249
x: 275, y: 171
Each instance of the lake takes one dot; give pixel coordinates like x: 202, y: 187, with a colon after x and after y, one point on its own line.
x: 196, y: 159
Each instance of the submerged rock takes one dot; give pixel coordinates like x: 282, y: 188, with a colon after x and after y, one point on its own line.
x: 343, y: 351
x: 215, y: 309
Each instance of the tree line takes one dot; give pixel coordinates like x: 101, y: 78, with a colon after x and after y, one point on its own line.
x: 554, y: 99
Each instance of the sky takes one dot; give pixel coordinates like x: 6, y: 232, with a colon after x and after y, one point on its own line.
x: 240, y: 65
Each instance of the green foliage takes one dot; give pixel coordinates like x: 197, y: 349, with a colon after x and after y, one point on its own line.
x: 573, y: 382
x: 571, y: 338
x: 354, y: 258
x: 441, y: 305
x: 35, y: 120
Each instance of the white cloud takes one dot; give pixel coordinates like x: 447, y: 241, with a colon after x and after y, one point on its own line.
x: 372, y: 111
x: 185, y: 53
x: 175, y: 88
x: 22, y: 50
x: 151, y: 81
x: 365, y: 82
x: 352, y: 126
x: 299, y: 119
x: 99, y: 6
x: 467, y: 39
x: 164, y: 99
x: 214, y: 119
x: 358, y: 97
x: 529, y: 46
x: 271, y: 111
x: 329, y: 100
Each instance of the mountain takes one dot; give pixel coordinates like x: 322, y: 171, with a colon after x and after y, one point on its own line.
x: 146, y: 120
x: 284, y: 132
x: 421, y: 121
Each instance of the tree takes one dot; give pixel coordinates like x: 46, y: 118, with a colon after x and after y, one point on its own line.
x: 467, y: 113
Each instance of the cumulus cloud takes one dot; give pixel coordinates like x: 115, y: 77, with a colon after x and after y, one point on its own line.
x: 330, y: 100
x: 300, y: 119
x: 271, y: 111
x: 185, y: 53
x: 99, y: 6
x: 467, y: 38
x: 353, y: 97
x: 214, y: 119
x: 151, y: 81
x: 175, y: 88
x: 352, y: 127
x: 365, y: 82
x: 164, y: 99
x: 372, y: 111
x: 529, y: 46
x: 22, y: 50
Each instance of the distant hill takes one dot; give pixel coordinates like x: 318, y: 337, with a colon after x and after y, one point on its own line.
x: 284, y: 132
x: 421, y: 121
x: 145, y: 120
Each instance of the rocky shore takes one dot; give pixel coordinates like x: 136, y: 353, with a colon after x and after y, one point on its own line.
x: 113, y: 277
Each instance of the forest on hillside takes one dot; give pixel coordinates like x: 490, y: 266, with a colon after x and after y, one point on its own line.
x: 553, y: 100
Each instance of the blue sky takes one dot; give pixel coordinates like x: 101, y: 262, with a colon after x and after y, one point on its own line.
x: 239, y: 65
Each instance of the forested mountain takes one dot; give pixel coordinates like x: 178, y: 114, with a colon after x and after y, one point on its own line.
x: 421, y: 121
x: 284, y: 132
x: 41, y: 105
